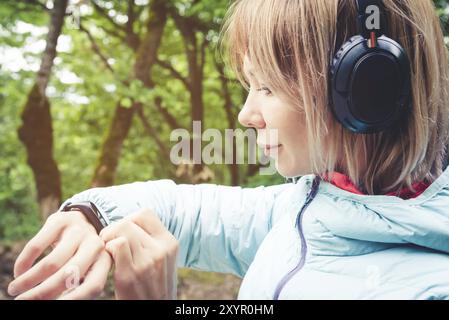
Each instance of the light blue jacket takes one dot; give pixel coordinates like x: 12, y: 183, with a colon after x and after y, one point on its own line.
x: 285, y: 245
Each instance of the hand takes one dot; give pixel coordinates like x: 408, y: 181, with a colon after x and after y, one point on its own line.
x: 78, y: 253
x: 144, y: 254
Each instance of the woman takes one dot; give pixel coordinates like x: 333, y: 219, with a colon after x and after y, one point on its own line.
x: 368, y: 217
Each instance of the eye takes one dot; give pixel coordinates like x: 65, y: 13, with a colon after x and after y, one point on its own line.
x: 268, y: 92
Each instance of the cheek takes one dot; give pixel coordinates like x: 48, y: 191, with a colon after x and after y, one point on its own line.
x: 293, y: 132
x: 289, y: 123
x: 294, y: 138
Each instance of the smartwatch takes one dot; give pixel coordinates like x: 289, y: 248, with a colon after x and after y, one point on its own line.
x: 91, y: 212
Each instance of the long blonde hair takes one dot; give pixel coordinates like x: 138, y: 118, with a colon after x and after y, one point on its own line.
x: 291, y: 43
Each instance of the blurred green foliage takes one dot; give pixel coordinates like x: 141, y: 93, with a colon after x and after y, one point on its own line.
x: 84, y: 94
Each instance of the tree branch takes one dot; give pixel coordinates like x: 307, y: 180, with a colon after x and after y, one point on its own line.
x: 190, y: 20
x: 114, y: 33
x: 54, y: 31
x: 226, y: 93
x: 203, y: 53
x: 132, y: 39
x: 96, y: 48
x: 174, y: 72
x: 146, y: 53
x: 171, y: 120
x: 104, y: 13
x: 152, y: 132
x: 131, y: 17
x: 109, y: 31
x: 37, y: 3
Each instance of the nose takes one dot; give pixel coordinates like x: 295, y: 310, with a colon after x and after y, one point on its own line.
x: 250, y: 115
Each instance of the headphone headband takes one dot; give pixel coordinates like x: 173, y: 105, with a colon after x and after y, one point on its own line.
x: 364, y: 10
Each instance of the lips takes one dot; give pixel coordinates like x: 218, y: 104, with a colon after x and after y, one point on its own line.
x: 272, y: 147
x: 269, y: 149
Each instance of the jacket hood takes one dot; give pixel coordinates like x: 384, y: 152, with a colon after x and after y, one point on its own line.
x: 364, y: 224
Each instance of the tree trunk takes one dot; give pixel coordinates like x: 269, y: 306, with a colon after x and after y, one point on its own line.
x: 36, y: 131
x: 196, y: 56
x: 112, y: 147
x: 54, y: 31
x: 231, y: 117
x: 146, y: 56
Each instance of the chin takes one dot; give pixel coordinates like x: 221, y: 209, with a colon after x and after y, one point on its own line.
x: 289, y: 171
x: 285, y: 171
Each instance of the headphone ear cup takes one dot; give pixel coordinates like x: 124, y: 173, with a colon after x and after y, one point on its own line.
x: 343, y: 50
x: 337, y: 87
x: 369, y: 87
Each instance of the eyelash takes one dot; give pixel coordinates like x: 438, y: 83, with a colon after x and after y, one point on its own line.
x: 269, y: 92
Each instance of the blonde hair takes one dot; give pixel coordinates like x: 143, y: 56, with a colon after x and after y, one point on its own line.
x: 291, y: 43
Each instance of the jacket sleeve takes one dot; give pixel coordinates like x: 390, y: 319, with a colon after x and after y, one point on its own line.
x: 219, y: 228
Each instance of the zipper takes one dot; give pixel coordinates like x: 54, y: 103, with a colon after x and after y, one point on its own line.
x: 310, y: 196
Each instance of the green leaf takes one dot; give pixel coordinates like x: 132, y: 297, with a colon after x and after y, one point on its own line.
x: 126, y: 102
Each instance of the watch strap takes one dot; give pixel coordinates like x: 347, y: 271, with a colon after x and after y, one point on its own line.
x: 90, y: 211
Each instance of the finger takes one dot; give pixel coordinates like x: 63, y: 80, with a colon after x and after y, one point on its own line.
x: 47, y: 266
x: 124, y: 273
x: 94, y: 281
x: 48, y: 234
x: 150, y: 222
x: 148, y: 249
x: 68, y: 276
x: 161, y: 238
x: 172, y: 282
x: 160, y: 246
x: 120, y: 250
x: 135, y: 236
x: 144, y: 247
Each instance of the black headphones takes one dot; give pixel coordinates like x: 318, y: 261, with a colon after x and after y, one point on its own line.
x: 370, y: 75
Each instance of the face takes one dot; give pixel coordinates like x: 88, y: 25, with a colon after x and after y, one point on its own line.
x: 265, y: 111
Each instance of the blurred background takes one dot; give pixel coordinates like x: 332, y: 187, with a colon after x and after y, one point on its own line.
x: 90, y: 91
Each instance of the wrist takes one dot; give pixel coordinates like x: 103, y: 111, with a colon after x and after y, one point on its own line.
x: 82, y: 221
x: 90, y: 212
